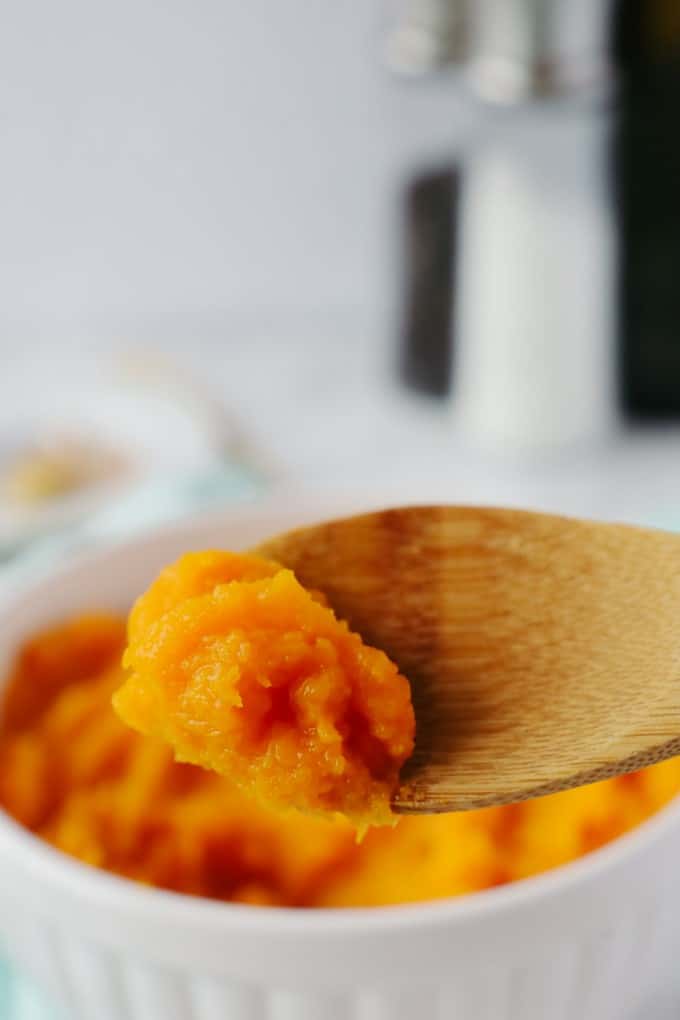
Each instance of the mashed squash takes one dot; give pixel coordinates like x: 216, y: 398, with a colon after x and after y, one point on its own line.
x: 76, y: 776
x: 241, y: 670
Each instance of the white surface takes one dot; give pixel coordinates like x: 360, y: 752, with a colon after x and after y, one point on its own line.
x: 324, y: 410
x: 589, y: 940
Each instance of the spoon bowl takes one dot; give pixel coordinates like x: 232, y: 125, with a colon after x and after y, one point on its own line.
x: 543, y: 652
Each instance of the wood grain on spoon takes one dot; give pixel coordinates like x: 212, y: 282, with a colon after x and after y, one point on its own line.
x: 543, y: 652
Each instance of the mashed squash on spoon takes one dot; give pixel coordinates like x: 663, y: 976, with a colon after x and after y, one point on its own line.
x: 245, y: 672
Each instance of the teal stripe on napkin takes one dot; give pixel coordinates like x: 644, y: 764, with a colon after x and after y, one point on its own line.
x: 19, y: 1000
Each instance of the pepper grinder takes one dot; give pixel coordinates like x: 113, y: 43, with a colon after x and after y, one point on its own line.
x: 534, y: 299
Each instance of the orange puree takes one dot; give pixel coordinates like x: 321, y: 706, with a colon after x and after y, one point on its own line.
x: 241, y: 670
x: 74, y: 774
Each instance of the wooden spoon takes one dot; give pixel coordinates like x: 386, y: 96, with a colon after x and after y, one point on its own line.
x: 543, y: 652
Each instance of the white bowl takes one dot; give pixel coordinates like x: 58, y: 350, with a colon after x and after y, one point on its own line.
x: 583, y: 942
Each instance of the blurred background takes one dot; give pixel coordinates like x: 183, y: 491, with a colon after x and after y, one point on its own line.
x: 429, y: 247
